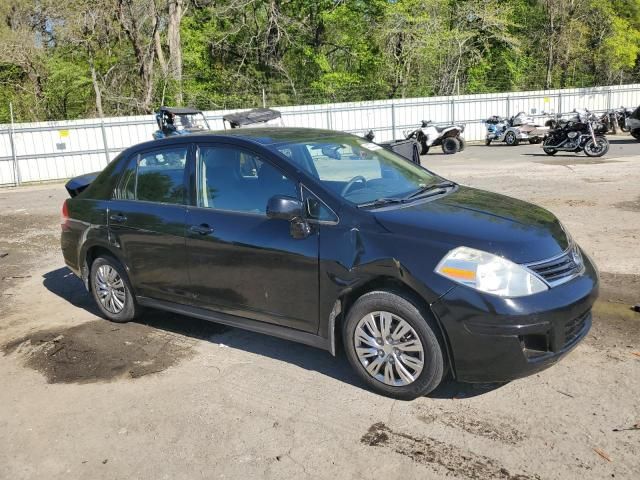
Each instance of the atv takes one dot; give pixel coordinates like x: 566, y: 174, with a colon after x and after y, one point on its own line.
x: 179, y: 121
x: 431, y: 135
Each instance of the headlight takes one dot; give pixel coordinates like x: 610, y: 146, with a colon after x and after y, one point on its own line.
x: 489, y: 273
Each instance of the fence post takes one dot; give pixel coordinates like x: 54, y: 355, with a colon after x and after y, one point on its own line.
x: 104, y: 141
x: 393, y: 120
x: 608, y: 99
x: 14, y: 156
x: 559, y: 103
x: 508, y: 106
x: 452, y: 113
x: 329, y: 127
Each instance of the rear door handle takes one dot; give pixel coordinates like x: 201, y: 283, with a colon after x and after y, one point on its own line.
x: 118, y: 218
x: 202, y: 229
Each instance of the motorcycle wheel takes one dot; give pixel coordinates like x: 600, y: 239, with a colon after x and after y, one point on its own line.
x: 597, y: 149
x: 636, y: 134
x: 450, y: 145
x: 535, y: 140
x: 487, y: 142
x: 511, y: 139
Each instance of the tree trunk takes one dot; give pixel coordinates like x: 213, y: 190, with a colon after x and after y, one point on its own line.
x: 96, y: 89
x: 175, y: 47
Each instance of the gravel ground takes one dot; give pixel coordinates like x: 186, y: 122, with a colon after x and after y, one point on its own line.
x: 173, y: 397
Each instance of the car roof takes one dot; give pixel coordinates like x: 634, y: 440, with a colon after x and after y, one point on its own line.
x: 179, y: 110
x: 264, y: 136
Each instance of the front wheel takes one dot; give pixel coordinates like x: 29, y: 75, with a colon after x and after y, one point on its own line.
x: 391, y: 343
x: 424, y: 148
x: 450, y: 145
x: 511, y: 139
x: 112, y: 291
x: 487, y: 142
x: 597, y: 148
x: 636, y: 134
x: 463, y: 143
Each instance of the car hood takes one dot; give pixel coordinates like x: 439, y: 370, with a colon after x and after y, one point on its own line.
x: 505, y: 226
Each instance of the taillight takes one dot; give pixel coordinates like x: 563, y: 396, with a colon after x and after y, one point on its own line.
x: 65, y: 214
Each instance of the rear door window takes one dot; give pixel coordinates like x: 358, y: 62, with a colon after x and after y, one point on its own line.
x: 157, y: 176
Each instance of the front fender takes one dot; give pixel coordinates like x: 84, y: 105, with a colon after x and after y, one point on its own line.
x: 353, y: 258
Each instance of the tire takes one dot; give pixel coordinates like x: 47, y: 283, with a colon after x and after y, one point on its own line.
x: 463, y: 144
x: 511, y: 139
x: 636, y: 134
x: 535, y: 140
x: 593, y: 150
x: 450, y: 145
x: 487, y: 142
x: 550, y: 151
x: 399, y: 308
x: 118, y: 290
x: 424, y: 148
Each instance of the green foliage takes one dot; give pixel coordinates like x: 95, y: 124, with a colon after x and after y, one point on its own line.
x: 74, y: 59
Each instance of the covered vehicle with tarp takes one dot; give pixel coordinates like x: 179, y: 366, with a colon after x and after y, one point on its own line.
x: 257, y: 117
x: 179, y: 121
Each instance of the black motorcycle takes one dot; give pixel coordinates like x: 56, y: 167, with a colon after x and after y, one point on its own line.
x: 615, y: 120
x: 575, y: 135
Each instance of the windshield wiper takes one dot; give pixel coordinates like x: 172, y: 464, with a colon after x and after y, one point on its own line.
x: 378, y: 202
x: 428, y: 188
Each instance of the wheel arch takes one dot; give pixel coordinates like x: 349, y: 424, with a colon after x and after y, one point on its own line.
x: 92, y: 251
x: 390, y: 284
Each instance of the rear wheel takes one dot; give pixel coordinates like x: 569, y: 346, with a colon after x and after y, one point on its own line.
x: 511, y: 139
x: 450, y: 145
x: 636, y: 134
x: 392, y: 345
x: 112, y: 291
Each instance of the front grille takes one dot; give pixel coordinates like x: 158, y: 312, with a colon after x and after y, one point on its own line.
x: 560, y: 269
x: 573, y: 328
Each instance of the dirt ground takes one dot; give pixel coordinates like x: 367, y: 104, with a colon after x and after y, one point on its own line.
x: 173, y: 397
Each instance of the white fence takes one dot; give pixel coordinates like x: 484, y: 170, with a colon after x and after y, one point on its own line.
x: 32, y: 152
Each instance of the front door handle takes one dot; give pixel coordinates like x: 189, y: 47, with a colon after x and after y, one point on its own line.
x: 202, y: 229
x: 118, y: 218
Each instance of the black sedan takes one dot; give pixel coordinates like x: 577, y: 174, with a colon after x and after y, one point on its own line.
x: 314, y: 235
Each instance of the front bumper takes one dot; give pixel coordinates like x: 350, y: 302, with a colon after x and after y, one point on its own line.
x: 495, y: 339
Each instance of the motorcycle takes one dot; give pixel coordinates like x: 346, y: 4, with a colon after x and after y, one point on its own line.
x: 616, y: 119
x: 431, y: 135
x: 575, y: 135
x: 512, y: 131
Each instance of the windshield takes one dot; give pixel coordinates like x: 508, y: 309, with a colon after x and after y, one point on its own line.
x: 190, y: 121
x: 359, y: 171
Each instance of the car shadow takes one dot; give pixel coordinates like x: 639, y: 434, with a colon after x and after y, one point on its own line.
x: 65, y: 284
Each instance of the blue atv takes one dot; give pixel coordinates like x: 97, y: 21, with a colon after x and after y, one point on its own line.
x: 179, y: 121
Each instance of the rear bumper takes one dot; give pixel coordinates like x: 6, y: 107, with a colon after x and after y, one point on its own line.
x: 494, y: 339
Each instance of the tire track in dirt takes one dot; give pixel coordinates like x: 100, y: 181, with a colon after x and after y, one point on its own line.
x: 431, y: 452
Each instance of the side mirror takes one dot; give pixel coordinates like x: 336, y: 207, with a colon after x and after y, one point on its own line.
x: 284, y: 208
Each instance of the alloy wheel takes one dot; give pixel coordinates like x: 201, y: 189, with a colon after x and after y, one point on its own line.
x: 389, y: 348
x: 110, y: 289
